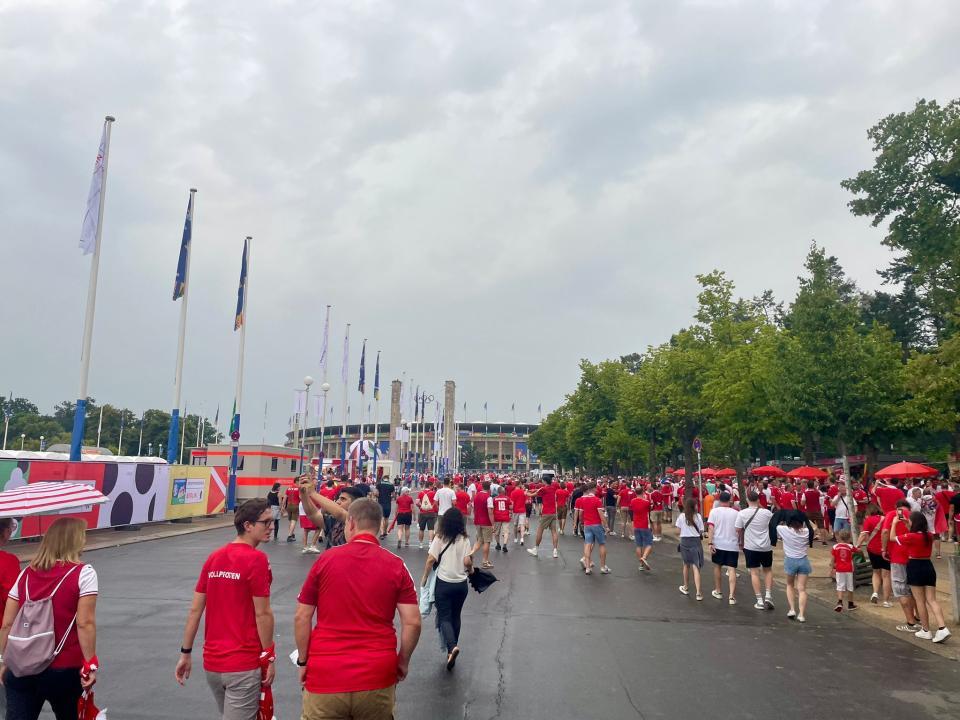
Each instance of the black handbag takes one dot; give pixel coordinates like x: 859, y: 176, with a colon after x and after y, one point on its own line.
x: 482, y: 579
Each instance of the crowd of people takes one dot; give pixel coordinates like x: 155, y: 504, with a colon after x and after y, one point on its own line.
x: 48, y: 634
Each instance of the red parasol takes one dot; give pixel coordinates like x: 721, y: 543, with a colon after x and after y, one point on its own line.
x: 679, y: 471
x: 903, y: 470
x: 768, y: 471
x: 708, y: 473
x: 725, y: 473
x: 47, y: 497
x: 805, y: 472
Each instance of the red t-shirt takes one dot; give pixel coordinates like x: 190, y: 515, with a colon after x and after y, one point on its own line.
x: 519, y: 499
x: 811, y: 501
x: 861, y: 498
x: 356, y: 589
x: 875, y: 546
x: 590, y: 506
x: 501, y: 508
x: 462, y: 502
x: 640, y: 507
x: 329, y: 492
x: 42, y: 584
x: 231, y: 577
x: 918, y: 545
x: 433, y: 505
x: 481, y: 514
x: 656, y: 500
x: 548, y: 493
x: 888, y: 497
x: 787, y: 500
x: 9, y: 569
x: 562, y: 496
x: 897, y: 552
x: 405, y: 504
x: 842, y: 557
x: 293, y: 497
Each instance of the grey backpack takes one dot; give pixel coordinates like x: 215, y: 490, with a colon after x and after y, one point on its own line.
x: 31, y: 645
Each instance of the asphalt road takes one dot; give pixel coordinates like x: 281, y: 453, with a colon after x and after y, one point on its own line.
x: 544, y: 642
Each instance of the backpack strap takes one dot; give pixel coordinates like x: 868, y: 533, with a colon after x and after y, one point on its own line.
x: 63, y: 640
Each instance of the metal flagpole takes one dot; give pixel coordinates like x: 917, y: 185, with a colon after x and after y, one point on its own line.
x: 140, y: 444
x: 183, y: 433
x: 343, y: 429
x: 199, y: 423
x: 240, y: 321
x: 120, y: 443
x: 181, y: 291
x: 80, y: 416
x: 324, y: 388
x: 99, y: 425
x: 362, y: 387
x: 376, y: 416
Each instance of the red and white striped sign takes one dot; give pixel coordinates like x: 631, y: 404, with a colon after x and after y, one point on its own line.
x: 48, y: 497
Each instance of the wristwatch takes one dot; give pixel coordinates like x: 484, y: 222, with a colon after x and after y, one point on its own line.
x: 301, y: 664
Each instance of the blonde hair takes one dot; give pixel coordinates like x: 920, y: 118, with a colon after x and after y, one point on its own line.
x: 63, y: 542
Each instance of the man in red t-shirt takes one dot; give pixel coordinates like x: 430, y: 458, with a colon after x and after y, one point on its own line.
x: 427, y: 506
x: 501, y: 520
x: 463, y: 501
x: 349, y: 662
x: 234, y: 589
x: 640, y: 507
x: 563, y: 497
x: 291, y: 501
x: 547, y: 493
x: 659, y: 500
x: 887, y: 496
x: 625, y: 494
x: 590, y: 508
x: 482, y: 520
x: 898, y: 557
x: 518, y: 501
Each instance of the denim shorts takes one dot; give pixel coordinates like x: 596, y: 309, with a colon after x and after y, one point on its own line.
x: 594, y: 534
x: 797, y: 566
x: 643, y: 537
x: 841, y: 524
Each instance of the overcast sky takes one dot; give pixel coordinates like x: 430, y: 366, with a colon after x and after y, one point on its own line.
x: 488, y: 191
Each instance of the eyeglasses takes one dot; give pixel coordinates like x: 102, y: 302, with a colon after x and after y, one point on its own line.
x: 265, y: 522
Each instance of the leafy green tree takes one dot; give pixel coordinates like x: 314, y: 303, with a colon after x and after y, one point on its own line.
x: 913, y: 186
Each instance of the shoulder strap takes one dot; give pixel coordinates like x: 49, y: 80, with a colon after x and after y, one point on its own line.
x: 874, y: 532
x: 747, y: 523
x: 443, y: 551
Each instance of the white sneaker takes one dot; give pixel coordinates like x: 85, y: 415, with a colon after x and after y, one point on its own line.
x: 768, y: 603
x: 555, y: 553
x: 516, y: 540
x: 791, y: 614
x: 605, y: 570
x: 304, y: 550
x: 532, y: 551
x: 732, y: 601
x: 717, y: 595
x: 420, y: 546
x: 758, y: 605
x: 684, y: 590
x: 801, y: 619
x: 588, y: 571
x: 886, y: 604
x: 941, y: 635
x: 874, y: 598
x: 583, y: 563
x: 923, y: 635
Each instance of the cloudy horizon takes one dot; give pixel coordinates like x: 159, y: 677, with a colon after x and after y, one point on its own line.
x: 487, y: 192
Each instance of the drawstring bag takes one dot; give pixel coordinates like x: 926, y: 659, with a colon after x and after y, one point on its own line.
x: 32, y: 645
x: 87, y: 709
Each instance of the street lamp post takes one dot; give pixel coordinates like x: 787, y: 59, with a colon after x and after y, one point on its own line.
x: 43, y: 444
x: 324, y: 388
x: 307, y: 382
x: 23, y: 436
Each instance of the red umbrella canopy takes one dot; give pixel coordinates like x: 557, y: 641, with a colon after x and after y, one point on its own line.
x: 725, y: 473
x: 768, y: 471
x: 805, y: 472
x: 680, y: 471
x: 708, y: 473
x: 906, y: 470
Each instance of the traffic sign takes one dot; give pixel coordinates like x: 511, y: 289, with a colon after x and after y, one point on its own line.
x: 697, y: 445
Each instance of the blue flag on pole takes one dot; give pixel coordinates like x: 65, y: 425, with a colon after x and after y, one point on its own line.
x: 376, y: 379
x: 242, y: 291
x: 180, y: 283
x: 363, y: 369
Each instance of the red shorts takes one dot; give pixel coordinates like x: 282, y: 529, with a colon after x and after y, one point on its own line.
x: 306, y: 524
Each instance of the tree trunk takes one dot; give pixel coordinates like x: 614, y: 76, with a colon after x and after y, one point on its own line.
x: 741, y: 469
x: 851, y: 505
x: 807, y: 449
x: 762, y: 454
x: 872, y: 453
x: 652, y: 454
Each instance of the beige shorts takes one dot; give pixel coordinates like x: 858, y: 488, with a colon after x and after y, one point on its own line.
x: 237, y: 693
x: 656, y: 516
x: 367, y: 704
x: 484, y: 533
x: 547, y: 522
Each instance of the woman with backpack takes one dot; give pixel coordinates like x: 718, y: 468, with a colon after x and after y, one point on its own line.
x: 57, y: 594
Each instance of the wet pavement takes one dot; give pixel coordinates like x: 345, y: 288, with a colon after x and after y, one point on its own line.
x: 544, y: 642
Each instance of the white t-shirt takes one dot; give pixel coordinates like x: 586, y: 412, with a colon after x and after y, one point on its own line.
x: 451, y: 567
x: 724, y: 521
x: 444, y: 499
x: 843, y: 511
x: 686, y: 530
x: 795, y: 543
x: 756, y: 535
x: 472, y: 490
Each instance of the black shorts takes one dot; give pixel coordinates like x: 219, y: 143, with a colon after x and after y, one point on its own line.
x: 386, y: 510
x: 725, y: 558
x: 404, y: 518
x: 427, y: 522
x: 878, y: 562
x: 758, y: 558
x: 921, y: 573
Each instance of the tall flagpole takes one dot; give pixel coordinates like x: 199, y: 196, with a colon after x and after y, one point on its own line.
x: 324, y: 388
x: 343, y: 430
x: 99, y: 425
x: 120, y: 442
x: 183, y: 433
x: 181, y: 290
x: 80, y: 416
x: 240, y: 320
x: 376, y: 416
x: 363, y: 398
x: 140, y: 444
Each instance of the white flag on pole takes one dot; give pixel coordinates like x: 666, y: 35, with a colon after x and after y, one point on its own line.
x: 299, y: 401
x: 323, y: 349
x: 88, y: 234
